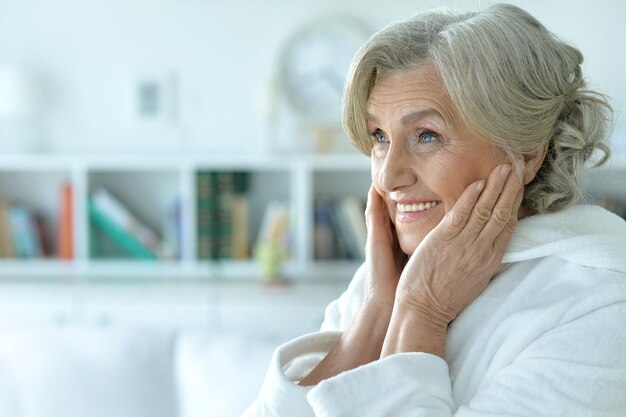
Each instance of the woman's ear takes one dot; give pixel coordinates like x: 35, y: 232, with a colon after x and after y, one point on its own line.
x: 533, y: 162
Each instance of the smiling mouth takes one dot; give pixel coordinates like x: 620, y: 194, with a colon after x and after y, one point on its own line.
x: 417, y: 207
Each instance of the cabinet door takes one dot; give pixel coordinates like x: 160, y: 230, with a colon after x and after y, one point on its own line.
x: 160, y: 306
x: 35, y: 306
x: 279, y: 312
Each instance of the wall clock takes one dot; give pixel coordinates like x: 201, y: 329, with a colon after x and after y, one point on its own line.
x: 314, y: 63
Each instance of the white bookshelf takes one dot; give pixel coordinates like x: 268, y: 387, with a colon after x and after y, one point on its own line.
x: 148, y: 184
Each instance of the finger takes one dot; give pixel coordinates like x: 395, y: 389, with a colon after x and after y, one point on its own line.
x: 507, y: 205
x: 482, y: 211
x: 458, y: 216
x: 500, y: 245
x: 501, y: 242
x: 376, y: 216
x: 382, y: 246
x: 507, y: 232
x: 517, y: 204
x: 372, y: 207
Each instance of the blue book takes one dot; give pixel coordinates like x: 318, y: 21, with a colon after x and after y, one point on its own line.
x: 23, y: 233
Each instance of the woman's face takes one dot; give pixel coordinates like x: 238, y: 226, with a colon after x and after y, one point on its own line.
x: 423, y: 155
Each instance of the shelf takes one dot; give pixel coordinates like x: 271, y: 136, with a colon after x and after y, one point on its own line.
x: 142, y: 162
x: 166, y: 271
x: 150, y: 186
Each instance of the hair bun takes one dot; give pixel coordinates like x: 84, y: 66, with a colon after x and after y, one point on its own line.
x: 580, y: 131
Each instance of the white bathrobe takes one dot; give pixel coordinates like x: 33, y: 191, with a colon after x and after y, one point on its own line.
x: 547, y: 337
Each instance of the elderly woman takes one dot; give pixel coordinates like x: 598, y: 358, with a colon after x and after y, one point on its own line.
x: 485, y: 292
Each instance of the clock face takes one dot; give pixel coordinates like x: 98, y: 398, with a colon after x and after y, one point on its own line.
x: 314, y: 65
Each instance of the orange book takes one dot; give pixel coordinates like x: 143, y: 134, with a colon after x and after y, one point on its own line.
x: 66, y: 223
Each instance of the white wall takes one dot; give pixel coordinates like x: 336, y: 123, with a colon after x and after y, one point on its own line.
x: 598, y: 29
x: 88, y: 52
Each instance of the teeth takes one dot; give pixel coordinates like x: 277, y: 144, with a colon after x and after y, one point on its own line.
x: 405, y: 208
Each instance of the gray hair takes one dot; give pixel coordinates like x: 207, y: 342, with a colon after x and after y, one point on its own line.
x: 512, y: 81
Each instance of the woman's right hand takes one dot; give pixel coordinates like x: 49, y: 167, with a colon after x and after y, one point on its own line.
x: 384, y: 260
x: 362, y: 341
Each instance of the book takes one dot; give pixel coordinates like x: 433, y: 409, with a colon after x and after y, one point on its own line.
x: 43, y: 235
x: 241, y: 235
x: 172, y: 231
x: 65, y: 234
x: 206, y: 212
x: 225, y: 197
x: 349, y: 220
x: 118, y: 222
x: 121, y: 236
x: 275, y: 225
x: 272, y: 245
x: 324, y: 239
x: 6, y: 240
x: 23, y: 233
x: 222, y: 215
x: 233, y: 215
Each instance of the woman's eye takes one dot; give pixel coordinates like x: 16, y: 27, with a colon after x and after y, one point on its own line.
x: 424, y: 141
x: 426, y: 136
x: 379, y: 137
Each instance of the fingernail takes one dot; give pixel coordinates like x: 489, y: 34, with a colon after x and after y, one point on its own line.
x: 480, y: 185
x: 505, y: 169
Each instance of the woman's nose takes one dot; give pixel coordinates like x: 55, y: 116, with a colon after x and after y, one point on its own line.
x: 396, y: 169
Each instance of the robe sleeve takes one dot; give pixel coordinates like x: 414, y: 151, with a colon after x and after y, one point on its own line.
x: 280, y: 395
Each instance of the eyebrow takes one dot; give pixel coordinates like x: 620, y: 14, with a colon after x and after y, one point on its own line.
x: 412, y: 117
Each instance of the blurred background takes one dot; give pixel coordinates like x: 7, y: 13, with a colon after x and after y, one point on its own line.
x: 177, y: 196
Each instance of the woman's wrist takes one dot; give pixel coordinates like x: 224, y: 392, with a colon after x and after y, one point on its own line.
x: 414, y: 329
x: 360, y: 344
x: 364, y: 339
x: 371, y: 323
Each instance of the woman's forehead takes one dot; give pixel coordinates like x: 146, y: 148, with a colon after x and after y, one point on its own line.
x: 399, y: 95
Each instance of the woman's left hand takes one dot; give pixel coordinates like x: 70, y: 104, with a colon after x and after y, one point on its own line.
x: 455, y: 262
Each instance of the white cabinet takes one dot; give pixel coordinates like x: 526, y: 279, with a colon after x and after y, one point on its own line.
x: 281, y: 311
x: 34, y: 305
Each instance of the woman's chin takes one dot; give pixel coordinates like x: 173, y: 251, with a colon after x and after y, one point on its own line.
x: 410, y: 235
x: 409, y: 244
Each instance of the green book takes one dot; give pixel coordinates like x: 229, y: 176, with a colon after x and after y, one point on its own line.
x: 232, y: 185
x: 207, y: 195
x: 216, y: 193
x: 226, y: 187
x: 241, y: 182
x: 124, y: 240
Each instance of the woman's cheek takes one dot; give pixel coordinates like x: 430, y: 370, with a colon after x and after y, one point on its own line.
x: 443, y: 180
x: 449, y: 176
